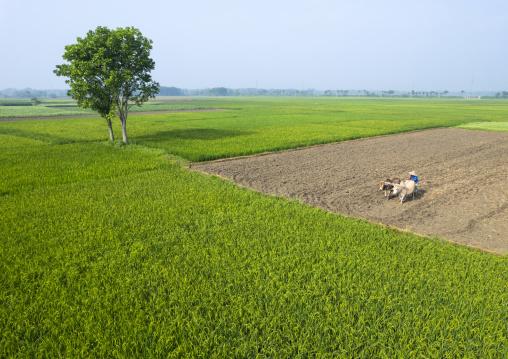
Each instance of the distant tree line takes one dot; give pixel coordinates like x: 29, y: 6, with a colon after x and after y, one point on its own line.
x: 224, y: 91
x: 30, y: 93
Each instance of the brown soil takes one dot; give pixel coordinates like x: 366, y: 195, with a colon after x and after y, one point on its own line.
x: 463, y: 193
x: 94, y: 115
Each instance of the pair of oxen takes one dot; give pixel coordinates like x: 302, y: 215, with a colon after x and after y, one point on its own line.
x: 396, y: 187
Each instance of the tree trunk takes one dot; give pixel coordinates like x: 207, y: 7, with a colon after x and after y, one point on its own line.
x: 123, y: 110
x: 124, y: 128
x: 110, y: 127
x: 111, y: 135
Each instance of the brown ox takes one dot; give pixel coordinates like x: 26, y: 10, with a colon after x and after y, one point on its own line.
x: 388, y: 186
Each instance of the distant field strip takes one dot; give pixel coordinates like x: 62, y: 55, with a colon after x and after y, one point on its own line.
x: 487, y: 126
x: 69, y: 108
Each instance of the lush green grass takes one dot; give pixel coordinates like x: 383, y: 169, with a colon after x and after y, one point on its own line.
x: 23, y: 108
x: 486, y: 126
x: 113, y: 251
x: 34, y: 167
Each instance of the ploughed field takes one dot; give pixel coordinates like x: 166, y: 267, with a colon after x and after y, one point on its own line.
x: 463, y: 195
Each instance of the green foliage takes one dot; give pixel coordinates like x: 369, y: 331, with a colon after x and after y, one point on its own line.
x: 35, y: 101
x: 114, y: 251
x: 108, y: 69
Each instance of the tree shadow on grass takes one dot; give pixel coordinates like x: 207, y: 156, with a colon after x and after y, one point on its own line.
x: 194, y: 134
x: 33, y: 135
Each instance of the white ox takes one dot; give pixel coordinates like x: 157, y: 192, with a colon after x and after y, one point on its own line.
x: 404, y: 189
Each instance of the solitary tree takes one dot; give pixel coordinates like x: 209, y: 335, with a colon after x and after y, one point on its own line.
x: 109, y: 72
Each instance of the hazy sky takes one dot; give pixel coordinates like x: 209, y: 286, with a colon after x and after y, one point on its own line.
x: 426, y: 45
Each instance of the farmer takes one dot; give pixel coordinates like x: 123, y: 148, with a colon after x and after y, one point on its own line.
x: 414, y: 177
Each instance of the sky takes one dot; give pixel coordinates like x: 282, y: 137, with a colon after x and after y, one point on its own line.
x: 431, y: 45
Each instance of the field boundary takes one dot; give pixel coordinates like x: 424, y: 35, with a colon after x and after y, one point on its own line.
x: 267, y: 153
x: 344, y: 178
x: 5, y: 119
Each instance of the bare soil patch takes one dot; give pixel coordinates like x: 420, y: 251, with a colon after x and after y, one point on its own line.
x: 95, y: 115
x: 463, y: 187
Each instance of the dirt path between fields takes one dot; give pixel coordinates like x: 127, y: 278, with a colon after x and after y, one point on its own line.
x: 95, y: 115
x: 463, y: 187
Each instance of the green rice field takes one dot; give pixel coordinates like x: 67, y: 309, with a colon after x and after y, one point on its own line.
x: 48, y: 108
x: 486, y: 126
x: 119, y: 251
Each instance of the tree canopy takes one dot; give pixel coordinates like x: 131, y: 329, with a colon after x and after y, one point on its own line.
x: 109, y: 71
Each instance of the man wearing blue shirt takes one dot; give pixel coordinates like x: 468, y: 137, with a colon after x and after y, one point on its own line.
x: 414, y: 177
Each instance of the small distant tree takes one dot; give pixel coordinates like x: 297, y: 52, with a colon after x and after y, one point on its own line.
x: 109, y: 72
x: 35, y: 101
